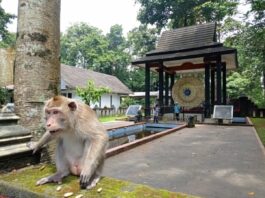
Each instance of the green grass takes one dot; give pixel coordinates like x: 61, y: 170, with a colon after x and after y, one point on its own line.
x: 110, y: 118
x: 259, y: 124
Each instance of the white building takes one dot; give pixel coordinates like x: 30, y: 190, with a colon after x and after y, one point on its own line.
x: 73, y: 77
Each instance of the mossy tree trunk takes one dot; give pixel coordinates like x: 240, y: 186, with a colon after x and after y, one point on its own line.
x: 37, y: 64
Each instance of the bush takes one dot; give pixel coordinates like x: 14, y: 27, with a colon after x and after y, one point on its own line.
x: 3, y: 96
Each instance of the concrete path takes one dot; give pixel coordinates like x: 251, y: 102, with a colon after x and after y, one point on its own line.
x: 207, y: 161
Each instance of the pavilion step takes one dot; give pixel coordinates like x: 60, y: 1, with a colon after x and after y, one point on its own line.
x: 17, y: 156
x: 210, y: 121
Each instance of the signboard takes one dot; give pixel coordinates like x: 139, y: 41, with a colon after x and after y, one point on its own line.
x: 224, y: 112
x: 133, y: 110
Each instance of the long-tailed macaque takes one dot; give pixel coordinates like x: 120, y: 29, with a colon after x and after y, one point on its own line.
x: 81, y: 141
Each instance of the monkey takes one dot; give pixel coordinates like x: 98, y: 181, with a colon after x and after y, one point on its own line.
x: 81, y: 141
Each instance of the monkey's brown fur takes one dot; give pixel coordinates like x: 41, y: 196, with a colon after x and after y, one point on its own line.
x: 81, y: 141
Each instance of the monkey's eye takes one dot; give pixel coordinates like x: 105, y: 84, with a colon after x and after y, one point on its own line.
x: 55, y: 112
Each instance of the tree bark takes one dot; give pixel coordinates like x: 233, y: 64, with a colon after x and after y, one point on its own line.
x: 37, y: 64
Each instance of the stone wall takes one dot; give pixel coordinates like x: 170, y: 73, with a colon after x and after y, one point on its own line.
x: 7, y: 57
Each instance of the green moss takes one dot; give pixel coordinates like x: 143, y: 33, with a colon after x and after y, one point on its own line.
x: 25, y: 181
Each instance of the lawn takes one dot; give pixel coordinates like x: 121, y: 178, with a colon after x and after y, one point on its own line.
x: 259, y: 124
x: 111, y: 118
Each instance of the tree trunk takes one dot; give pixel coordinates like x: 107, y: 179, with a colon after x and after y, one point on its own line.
x: 37, y: 64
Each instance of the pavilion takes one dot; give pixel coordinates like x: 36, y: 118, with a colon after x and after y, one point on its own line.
x: 192, y: 49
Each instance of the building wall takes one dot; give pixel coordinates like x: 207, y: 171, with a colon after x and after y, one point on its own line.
x: 116, y: 100
x: 7, y: 57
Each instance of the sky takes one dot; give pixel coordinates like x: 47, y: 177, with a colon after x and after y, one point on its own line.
x: 99, y: 13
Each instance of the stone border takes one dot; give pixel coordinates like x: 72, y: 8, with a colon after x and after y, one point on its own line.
x: 130, y: 145
x: 8, y: 190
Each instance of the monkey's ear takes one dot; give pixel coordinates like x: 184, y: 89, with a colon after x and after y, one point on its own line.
x: 72, y: 105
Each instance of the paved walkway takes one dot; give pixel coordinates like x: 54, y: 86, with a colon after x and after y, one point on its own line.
x: 207, y: 161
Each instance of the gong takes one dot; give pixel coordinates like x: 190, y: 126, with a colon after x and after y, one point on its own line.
x: 188, y: 92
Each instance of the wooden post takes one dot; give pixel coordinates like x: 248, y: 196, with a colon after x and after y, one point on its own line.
x: 166, y: 89
x: 224, y: 84
x: 172, y: 81
x: 219, y: 80
x: 161, y: 87
x: 147, y: 91
x: 207, y: 90
x: 212, y: 87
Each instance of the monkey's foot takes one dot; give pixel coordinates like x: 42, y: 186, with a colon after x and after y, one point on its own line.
x: 54, y: 178
x: 93, y: 183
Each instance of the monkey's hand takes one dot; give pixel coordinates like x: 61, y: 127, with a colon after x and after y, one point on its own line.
x: 84, y: 179
x: 89, y: 183
x: 33, y: 146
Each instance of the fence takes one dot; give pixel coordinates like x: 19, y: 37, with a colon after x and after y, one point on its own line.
x: 109, y: 111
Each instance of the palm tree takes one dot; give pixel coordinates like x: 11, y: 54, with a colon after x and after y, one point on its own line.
x: 37, y: 64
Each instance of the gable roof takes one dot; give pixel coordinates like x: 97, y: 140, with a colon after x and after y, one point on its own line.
x: 182, y: 39
x: 188, y: 45
x: 73, y: 77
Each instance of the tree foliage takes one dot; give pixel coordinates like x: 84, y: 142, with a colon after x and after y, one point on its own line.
x: 82, y: 45
x: 142, y: 40
x: 91, y: 93
x: 180, y: 13
x: 87, y: 46
x: 6, y: 38
x: 3, y: 96
x: 248, y: 38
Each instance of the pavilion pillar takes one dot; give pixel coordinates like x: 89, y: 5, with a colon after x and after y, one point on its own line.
x: 147, y: 91
x: 207, y: 90
x: 224, y: 84
x: 172, y: 81
x: 166, y: 89
x: 219, y: 81
x: 161, y: 87
x: 212, y: 88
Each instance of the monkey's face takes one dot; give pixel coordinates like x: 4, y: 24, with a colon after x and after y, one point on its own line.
x: 56, y: 121
x: 58, y: 114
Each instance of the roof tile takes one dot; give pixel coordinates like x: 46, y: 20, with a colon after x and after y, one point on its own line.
x: 77, y: 77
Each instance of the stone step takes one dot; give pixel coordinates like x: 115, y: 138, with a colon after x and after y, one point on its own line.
x: 14, y: 149
x: 17, y: 156
x: 8, y: 119
x: 15, y: 140
x: 13, y: 131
